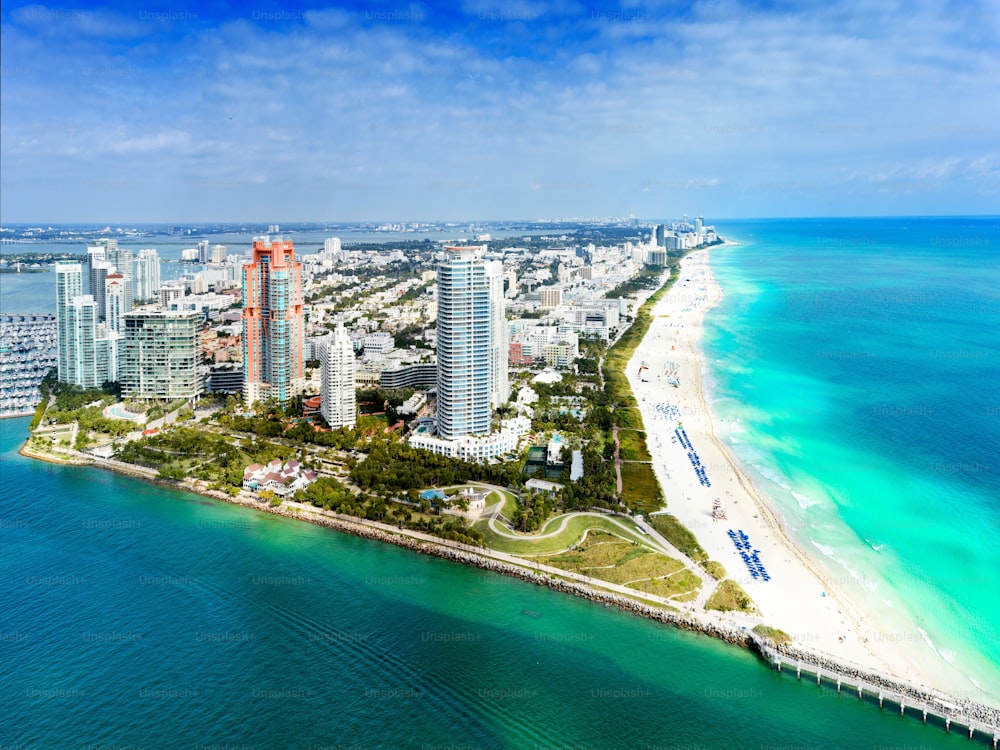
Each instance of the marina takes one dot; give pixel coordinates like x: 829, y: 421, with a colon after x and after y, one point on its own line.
x: 28, y: 351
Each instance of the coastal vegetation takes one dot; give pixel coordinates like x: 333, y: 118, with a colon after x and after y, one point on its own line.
x: 729, y: 596
x: 611, y: 558
x: 680, y: 536
x: 776, y: 636
x: 714, y: 569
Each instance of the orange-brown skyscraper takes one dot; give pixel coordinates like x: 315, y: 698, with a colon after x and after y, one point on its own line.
x: 273, y: 331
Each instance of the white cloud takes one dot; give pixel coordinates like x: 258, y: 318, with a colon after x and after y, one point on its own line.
x: 591, y: 114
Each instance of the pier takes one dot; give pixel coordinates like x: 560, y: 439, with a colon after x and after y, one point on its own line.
x: 910, y: 701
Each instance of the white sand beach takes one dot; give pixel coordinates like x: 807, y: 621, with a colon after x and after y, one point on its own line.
x: 799, y: 598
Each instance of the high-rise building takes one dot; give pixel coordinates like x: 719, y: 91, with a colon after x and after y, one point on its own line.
x: 82, y: 341
x: 146, y: 274
x: 88, y: 354
x: 107, y: 347
x: 471, y: 342
x: 95, y: 254
x: 114, y: 301
x: 218, y: 255
x: 499, y: 335
x: 336, y: 361
x: 69, y: 285
x: 92, y: 351
x: 203, y: 252
x: 123, y: 261
x: 160, y: 354
x: 273, y: 333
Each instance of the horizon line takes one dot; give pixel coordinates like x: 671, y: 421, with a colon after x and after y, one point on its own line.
x: 577, y: 220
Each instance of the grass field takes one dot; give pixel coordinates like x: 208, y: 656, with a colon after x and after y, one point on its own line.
x: 616, y: 560
x: 539, y: 544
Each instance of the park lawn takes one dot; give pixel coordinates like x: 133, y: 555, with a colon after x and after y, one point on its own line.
x: 640, y: 490
x: 536, y: 544
x: 648, y: 566
x: 683, y: 585
x: 614, y: 560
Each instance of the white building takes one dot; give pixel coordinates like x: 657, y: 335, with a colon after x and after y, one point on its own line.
x: 146, y: 274
x: 336, y: 356
x: 284, y: 480
x: 471, y: 342
x: 114, y: 301
x: 378, y: 343
x: 169, y: 292
x: 477, y: 448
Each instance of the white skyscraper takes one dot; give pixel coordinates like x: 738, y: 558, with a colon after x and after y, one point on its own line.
x: 96, y: 254
x: 217, y: 256
x: 147, y: 274
x: 69, y: 285
x: 81, y: 317
x: 336, y: 357
x: 92, y: 351
x: 123, y: 260
x: 114, y: 301
x: 471, y: 331
x: 499, y: 386
x: 203, y: 251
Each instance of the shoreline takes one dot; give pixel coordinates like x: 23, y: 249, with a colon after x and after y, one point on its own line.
x: 803, y: 599
x: 726, y: 627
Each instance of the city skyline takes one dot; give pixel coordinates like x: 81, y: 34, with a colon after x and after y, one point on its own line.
x: 494, y: 110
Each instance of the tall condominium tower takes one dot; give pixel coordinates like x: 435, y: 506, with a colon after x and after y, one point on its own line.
x: 159, y: 355
x: 69, y: 285
x: 88, y: 355
x: 336, y: 358
x: 81, y: 325
x: 115, y: 292
x: 92, y: 351
x: 147, y: 274
x: 95, y: 254
x: 273, y: 333
x: 123, y: 261
x: 499, y: 335
x: 472, y: 366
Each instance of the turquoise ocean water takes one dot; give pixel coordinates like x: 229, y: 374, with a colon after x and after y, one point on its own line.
x: 856, y: 366
x: 136, y: 616
x: 132, y: 615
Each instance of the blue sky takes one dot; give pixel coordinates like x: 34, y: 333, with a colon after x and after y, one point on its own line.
x: 486, y: 109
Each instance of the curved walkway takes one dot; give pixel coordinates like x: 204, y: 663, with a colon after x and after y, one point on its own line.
x: 660, y: 544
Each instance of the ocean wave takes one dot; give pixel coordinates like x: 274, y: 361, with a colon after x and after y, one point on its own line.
x: 930, y: 644
x: 828, y: 551
x: 804, y: 502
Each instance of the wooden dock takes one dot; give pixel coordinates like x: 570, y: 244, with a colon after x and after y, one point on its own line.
x: 948, y: 714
